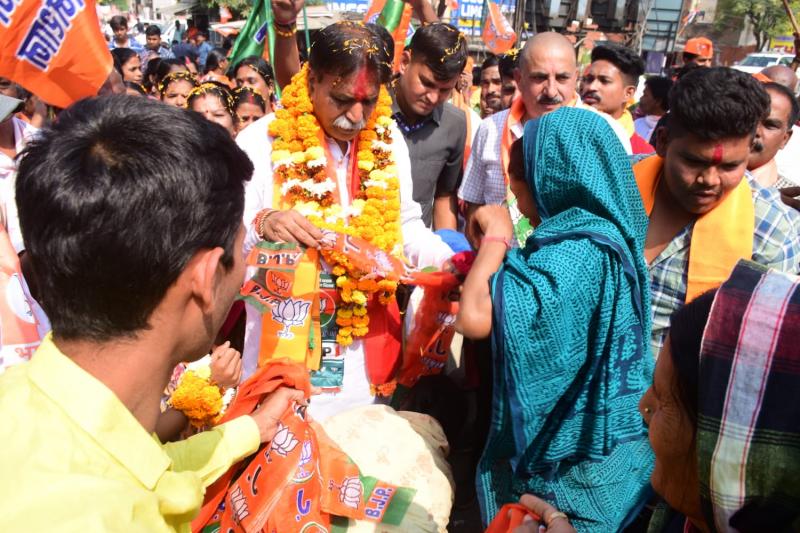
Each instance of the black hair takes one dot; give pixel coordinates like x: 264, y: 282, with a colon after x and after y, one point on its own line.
x: 151, y: 30
x: 490, y: 61
x: 136, y: 87
x: 204, y: 33
x: 626, y: 60
x: 172, y: 77
x: 214, y: 58
x: 120, y: 228
x: 260, y: 65
x: 688, y: 57
x: 441, y: 48
x: 686, y: 69
x: 659, y: 87
x: 216, y: 89
x: 508, y: 63
x: 248, y: 95
x: 122, y: 56
x: 163, y: 68
x: 716, y: 103
x: 118, y: 22
x: 342, y: 48
x: 686, y: 338
x: 794, y: 113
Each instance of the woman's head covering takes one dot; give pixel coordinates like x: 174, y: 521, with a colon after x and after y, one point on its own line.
x: 748, y: 434
x: 570, y: 333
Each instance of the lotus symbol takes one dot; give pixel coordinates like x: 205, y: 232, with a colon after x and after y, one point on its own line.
x: 350, y: 491
x: 305, y: 458
x: 281, y: 283
x: 290, y: 312
x: 283, y: 442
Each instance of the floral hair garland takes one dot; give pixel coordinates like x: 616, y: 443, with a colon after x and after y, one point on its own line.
x: 300, y: 169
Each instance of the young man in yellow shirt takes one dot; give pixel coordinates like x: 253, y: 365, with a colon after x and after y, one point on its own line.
x: 137, y: 250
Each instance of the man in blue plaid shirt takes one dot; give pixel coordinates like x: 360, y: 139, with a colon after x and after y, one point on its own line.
x: 706, y: 211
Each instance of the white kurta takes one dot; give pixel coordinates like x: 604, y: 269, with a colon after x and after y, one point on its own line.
x: 421, y: 246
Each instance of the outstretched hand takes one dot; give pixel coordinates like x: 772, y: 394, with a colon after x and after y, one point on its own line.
x: 291, y: 226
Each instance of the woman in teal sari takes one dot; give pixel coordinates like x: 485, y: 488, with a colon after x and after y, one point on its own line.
x: 569, y: 317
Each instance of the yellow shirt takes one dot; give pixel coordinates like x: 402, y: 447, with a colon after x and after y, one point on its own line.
x: 73, y: 458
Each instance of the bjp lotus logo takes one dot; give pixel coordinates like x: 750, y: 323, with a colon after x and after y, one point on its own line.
x: 350, y: 491
x: 289, y: 313
x: 284, y: 441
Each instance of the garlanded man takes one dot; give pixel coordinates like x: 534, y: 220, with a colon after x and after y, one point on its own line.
x: 706, y: 212
x: 332, y: 159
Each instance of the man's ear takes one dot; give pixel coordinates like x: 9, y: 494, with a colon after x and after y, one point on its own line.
x: 405, y: 61
x: 204, y: 268
x: 629, y: 91
x: 517, y: 75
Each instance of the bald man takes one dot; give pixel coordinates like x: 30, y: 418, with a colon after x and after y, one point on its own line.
x: 787, y: 158
x: 546, y: 77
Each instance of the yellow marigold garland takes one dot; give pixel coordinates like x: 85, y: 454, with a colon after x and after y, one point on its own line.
x: 299, y: 167
x: 198, y: 398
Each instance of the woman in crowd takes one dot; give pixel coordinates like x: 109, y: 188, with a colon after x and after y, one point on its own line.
x: 216, y: 67
x: 174, y: 89
x: 248, y: 106
x: 128, y: 64
x: 213, y: 101
x: 569, y: 317
x: 255, y: 72
x: 157, y: 70
x: 724, y: 410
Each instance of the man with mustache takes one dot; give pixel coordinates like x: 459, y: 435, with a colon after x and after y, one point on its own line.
x: 772, y: 135
x: 434, y: 129
x: 706, y: 211
x: 788, y: 156
x: 491, y: 87
x: 338, y: 93
x: 546, y: 76
x: 609, y: 85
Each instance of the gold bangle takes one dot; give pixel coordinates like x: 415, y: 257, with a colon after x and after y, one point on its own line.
x: 285, y: 30
x: 259, y: 221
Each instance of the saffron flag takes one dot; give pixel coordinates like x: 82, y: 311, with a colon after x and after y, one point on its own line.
x: 498, y: 35
x: 395, y: 16
x: 53, y: 48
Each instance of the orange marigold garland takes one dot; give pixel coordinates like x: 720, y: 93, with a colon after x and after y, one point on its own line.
x: 198, y: 397
x: 299, y: 167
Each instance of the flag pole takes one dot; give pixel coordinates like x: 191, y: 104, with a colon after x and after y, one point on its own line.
x: 305, y: 29
x: 271, y: 41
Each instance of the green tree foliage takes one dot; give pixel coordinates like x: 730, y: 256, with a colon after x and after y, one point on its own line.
x: 767, y: 18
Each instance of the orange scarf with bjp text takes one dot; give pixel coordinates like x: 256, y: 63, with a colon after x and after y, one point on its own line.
x: 300, y: 480
x: 720, y: 238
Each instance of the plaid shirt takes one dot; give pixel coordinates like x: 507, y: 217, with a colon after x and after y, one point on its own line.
x: 776, y: 244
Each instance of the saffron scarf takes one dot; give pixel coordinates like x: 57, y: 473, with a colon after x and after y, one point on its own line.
x: 300, y: 480
x: 720, y: 238
x: 570, y: 334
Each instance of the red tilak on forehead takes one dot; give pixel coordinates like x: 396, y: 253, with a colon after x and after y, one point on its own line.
x: 716, y: 157
x: 361, y: 85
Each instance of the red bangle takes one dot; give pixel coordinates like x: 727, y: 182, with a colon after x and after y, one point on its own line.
x: 495, y: 238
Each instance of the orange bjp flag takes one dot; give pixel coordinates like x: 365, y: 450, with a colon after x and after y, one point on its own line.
x: 497, y: 32
x: 53, y: 48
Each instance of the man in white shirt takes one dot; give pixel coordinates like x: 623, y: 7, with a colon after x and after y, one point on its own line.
x: 347, y: 67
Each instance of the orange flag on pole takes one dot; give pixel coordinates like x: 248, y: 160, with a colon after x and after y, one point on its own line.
x: 498, y: 34
x: 53, y: 48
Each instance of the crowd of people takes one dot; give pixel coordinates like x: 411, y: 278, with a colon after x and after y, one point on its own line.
x: 618, y: 347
